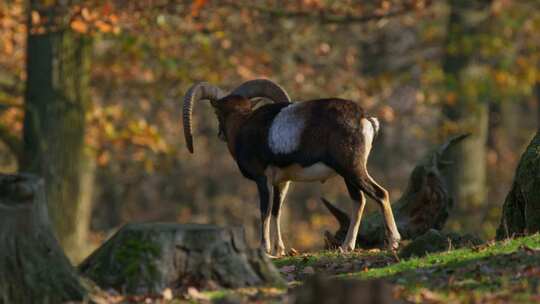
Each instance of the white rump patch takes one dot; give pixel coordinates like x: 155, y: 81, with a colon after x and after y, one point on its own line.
x: 368, y: 132
x: 286, y: 129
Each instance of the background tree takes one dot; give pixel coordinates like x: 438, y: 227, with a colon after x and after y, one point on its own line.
x: 521, y: 209
x: 56, y: 102
x: 466, y: 105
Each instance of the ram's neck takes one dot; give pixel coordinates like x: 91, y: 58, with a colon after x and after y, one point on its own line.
x: 233, y: 124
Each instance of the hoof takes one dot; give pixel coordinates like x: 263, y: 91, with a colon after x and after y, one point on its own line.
x: 394, y: 244
x: 270, y: 256
x: 345, y: 249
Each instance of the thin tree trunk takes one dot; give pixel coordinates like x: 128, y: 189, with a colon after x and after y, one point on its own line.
x: 537, y: 95
x: 465, y: 110
x: 78, y: 240
x: 56, y: 98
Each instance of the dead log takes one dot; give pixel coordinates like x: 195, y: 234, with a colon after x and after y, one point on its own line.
x: 424, y: 205
x: 323, y: 290
x: 521, y: 209
x: 438, y: 241
x: 33, y: 267
x: 146, y: 258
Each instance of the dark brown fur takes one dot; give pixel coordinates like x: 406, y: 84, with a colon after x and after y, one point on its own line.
x: 332, y: 134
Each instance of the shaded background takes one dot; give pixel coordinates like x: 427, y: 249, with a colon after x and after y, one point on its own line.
x: 427, y: 69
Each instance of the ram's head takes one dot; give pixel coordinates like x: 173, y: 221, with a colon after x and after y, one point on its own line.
x: 244, y: 97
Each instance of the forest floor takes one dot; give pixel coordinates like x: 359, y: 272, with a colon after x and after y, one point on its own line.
x: 497, y: 272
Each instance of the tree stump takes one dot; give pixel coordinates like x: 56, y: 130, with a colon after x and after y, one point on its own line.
x: 33, y: 267
x: 424, y: 205
x: 144, y: 258
x: 521, y: 209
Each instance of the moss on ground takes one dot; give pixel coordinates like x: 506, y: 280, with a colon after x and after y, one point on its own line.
x: 498, y: 272
x: 505, y: 271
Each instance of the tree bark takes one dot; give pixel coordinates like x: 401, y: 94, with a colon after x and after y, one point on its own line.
x: 33, y: 267
x: 149, y: 257
x: 521, y: 209
x: 56, y: 99
x: 537, y: 95
x: 424, y: 205
x: 466, y: 109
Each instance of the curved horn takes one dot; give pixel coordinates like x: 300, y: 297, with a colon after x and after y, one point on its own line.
x: 262, y: 88
x: 201, y: 90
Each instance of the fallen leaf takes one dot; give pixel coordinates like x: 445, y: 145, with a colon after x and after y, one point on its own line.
x: 429, y: 296
x: 531, y: 271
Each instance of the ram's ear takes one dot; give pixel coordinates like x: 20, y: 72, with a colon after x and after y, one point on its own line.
x: 213, y: 102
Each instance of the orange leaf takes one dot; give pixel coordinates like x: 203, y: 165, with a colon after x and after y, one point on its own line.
x: 35, y: 17
x: 79, y: 26
x: 103, y: 26
x: 451, y: 98
x: 197, y: 6
x: 85, y: 13
x: 107, y: 8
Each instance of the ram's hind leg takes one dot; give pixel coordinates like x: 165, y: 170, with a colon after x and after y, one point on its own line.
x: 280, y: 192
x: 380, y: 195
x: 359, y: 202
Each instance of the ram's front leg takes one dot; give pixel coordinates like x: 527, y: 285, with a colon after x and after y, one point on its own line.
x: 266, y: 199
x: 280, y: 191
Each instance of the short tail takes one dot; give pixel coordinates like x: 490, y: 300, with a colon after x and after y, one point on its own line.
x: 375, y: 124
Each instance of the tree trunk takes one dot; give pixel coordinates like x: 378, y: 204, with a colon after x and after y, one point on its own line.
x: 33, y: 267
x: 466, y: 109
x: 537, y: 95
x: 521, y: 209
x: 466, y: 178
x: 424, y: 205
x: 149, y: 257
x: 56, y: 99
